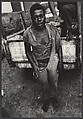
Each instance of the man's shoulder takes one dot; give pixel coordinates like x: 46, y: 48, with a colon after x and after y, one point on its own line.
x: 26, y: 32
x: 26, y: 35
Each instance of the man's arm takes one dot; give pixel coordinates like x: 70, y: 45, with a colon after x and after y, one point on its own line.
x: 30, y: 56
x: 58, y: 48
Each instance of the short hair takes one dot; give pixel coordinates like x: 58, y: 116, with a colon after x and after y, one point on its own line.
x: 36, y: 6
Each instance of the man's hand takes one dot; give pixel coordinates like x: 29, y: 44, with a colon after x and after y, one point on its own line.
x: 36, y: 70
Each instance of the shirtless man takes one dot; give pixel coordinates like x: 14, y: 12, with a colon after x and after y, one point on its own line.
x: 41, y: 40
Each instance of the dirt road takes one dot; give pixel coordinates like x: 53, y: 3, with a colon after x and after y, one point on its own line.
x: 20, y: 94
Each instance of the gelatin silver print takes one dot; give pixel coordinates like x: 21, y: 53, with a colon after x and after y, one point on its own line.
x: 41, y: 59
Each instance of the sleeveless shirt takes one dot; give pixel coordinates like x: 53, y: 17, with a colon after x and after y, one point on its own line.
x: 40, y: 51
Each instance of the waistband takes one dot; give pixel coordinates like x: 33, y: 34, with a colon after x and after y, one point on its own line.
x: 43, y: 63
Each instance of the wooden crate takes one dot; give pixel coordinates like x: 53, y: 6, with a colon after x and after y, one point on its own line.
x: 12, y: 39
x: 11, y: 23
x: 15, y: 52
x: 70, y: 52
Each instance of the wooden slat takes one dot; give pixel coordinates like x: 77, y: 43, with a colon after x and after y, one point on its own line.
x: 14, y: 34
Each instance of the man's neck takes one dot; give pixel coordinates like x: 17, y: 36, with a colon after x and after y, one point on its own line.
x: 38, y: 29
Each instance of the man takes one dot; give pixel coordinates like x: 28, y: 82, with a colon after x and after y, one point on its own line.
x: 68, y: 12
x: 42, y: 44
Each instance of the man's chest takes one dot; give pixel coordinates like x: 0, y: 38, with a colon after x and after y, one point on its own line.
x: 42, y: 38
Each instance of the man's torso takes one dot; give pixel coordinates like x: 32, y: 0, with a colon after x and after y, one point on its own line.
x: 41, y: 43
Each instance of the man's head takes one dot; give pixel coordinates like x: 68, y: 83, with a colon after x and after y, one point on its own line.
x: 38, y: 16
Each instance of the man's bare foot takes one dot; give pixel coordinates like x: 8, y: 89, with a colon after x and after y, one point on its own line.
x: 45, y: 106
x: 55, y: 103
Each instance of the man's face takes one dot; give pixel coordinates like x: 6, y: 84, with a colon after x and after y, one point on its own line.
x: 38, y: 19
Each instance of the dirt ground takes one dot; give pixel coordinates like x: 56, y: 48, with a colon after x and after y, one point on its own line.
x: 20, y: 94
